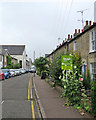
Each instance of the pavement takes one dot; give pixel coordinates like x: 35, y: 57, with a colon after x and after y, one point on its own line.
x: 50, y: 102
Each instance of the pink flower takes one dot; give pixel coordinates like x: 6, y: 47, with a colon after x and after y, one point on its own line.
x: 81, y: 79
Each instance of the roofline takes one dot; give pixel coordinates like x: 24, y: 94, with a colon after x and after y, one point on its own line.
x: 89, y: 28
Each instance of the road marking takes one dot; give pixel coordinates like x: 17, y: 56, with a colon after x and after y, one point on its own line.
x: 33, y: 113
x: 30, y: 95
x: 29, y: 90
x: 2, y: 102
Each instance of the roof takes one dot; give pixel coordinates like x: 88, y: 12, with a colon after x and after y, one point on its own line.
x: 14, y: 49
x: 67, y: 42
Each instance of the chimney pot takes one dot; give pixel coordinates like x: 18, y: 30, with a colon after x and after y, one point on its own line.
x: 78, y: 30
x: 90, y: 22
x: 86, y: 22
x: 75, y: 31
x: 68, y: 36
x: 71, y: 36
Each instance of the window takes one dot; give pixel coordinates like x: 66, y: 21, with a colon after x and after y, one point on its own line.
x: 65, y: 50
x: 20, y: 63
x: 75, y: 46
x: 93, y: 70
x: 92, y: 41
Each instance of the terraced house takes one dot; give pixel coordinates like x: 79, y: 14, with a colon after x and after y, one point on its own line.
x: 84, y: 42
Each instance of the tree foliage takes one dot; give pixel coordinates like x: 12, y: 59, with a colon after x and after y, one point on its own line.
x: 55, y: 68
x: 41, y: 64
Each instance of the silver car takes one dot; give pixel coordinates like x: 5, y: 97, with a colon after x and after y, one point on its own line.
x: 12, y: 72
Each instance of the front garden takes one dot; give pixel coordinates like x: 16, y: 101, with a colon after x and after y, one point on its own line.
x: 78, y: 90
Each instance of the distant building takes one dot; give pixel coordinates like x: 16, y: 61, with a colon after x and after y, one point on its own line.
x: 2, y: 58
x: 28, y: 62
x: 18, y: 52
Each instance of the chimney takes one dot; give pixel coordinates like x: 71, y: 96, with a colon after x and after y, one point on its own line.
x: 60, y: 44
x: 86, y: 22
x: 94, y: 23
x: 68, y: 36
x: 79, y: 31
x: 90, y: 23
x: 71, y: 36
x: 87, y: 25
x: 63, y: 41
x: 75, y: 31
x: 82, y: 30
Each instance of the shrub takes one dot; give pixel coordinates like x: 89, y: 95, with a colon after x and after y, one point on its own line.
x: 41, y: 64
x: 93, y: 99
x: 43, y: 75
x: 55, y: 69
x: 87, y: 80
x: 16, y: 66
x: 74, y: 91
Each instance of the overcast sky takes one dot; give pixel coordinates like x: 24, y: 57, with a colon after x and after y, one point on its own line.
x: 39, y: 23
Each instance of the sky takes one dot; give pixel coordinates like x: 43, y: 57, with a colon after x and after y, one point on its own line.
x: 39, y: 23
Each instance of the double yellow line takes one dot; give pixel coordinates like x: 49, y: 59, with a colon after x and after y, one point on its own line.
x: 30, y: 96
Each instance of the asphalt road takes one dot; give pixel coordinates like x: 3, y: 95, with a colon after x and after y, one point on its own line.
x: 18, y: 98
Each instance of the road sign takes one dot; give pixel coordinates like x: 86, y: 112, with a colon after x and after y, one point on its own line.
x: 66, y: 62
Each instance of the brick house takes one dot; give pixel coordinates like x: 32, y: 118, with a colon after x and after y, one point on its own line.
x: 83, y: 42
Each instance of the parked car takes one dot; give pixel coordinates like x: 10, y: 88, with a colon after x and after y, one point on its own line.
x: 27, y: 70
x: 2, y: 75
x: 6, y: 73
x: 12, y: 72
x: 33, y: 69
x: 17, y: 72
x: 22, y: 70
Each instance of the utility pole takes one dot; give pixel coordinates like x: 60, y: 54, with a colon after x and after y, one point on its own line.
x: 82, y: 11
x: 34, y: 55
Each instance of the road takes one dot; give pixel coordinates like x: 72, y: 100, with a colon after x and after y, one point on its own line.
x: 18, y: 98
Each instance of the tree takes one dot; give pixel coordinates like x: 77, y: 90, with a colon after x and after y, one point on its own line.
x: 55, y: 69
x: 40, y: 64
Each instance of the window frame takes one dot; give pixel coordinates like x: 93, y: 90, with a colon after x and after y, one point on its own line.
x: 92, y: 41
x: 93, y: 70
x: 75, y: 45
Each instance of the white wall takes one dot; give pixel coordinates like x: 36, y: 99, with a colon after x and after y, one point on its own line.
x: 95, y: 11
x: 21, y: 57
x: 18, y: 57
